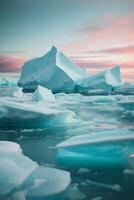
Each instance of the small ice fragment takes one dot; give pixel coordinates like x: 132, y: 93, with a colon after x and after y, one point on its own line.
x: 114, y: 187
x: 43, y: 94
x: 74, y: 193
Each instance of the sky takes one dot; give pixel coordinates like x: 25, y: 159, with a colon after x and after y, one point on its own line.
x: 95, y: 34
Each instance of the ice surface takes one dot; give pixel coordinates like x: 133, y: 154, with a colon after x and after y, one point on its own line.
x: 22, y: 177
x: 6, y: 146
x: 109, y: 149
x: 43, y: 94
x: 53, y: 71
x: 32, y: 115
x: 46, y: 181
x: 109, y: 136
x: 107, y: 81
x: 14, y: 168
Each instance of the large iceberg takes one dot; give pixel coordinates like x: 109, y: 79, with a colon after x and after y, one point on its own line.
x: 22, y: 177
x: 107, y: 149
x: 107, y: 81
x: 53, y: 71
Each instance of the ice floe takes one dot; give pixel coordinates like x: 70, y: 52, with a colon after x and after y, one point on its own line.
x: 107, y: 149
x: 21, y: 177
x: 32, y: 115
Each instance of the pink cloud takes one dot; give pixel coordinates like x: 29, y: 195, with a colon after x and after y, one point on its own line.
x: 109, y: 33
x: 94, y: 67
x: 11, y: 63
x: 116, y: 50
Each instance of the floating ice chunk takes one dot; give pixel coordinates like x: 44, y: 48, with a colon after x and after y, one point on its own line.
x: 32, y: 115
x: 22, y: 177
x: 114, y: 187
x: 8, y: 82
x: 109, y: 136
x: 46, y: 181
x: 84, y: 171
x: 74, y: 193
x: 43, y: 94
x: 97, y: 150
x: 53, y: 71
x: 14, y: 169
x: 6, y: 146
x: 107, y: 80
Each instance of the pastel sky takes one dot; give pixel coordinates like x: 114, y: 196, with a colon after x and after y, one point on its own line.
x: 96, y: 34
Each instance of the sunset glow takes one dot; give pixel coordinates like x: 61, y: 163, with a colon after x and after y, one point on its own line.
x: 94, y: 34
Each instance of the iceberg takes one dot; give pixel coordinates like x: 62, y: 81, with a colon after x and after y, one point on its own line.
x: 43, y: 94
x: 100, y: 150
x: 31, y: 115
x: 21, y: 177
x: 106, y: 81
x: 53, y: 71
